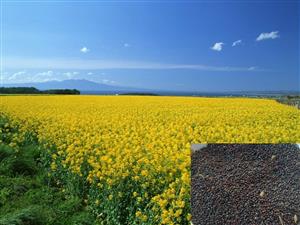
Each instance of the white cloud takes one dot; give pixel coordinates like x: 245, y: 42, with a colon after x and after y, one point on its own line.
x: 70, y: 75
x: 17, y: 75
x: 45, y: 74
x: 106, y: 81
x: 84, y: 50
x: 80, y: 64
x: 217, y: 46
x: 126, y: 45
x: 89, y: 73
x: 41, y: 76
x: 24, y: 76
x: 235, y: 43
x: 265, y: 36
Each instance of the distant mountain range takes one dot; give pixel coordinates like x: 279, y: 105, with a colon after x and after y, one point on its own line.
x: 90, y: 87
x: 84, y: 86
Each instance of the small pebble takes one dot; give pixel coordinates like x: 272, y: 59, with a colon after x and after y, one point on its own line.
x: 262, y: 194
x: 273, y: 157
x: 296, y: 219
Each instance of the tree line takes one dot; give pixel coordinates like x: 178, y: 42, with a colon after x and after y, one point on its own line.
x: 33, y: 90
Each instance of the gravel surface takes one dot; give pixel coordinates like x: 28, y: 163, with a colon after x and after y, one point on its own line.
x: 246, y: 184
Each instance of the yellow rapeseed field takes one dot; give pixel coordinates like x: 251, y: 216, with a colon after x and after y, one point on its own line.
x: 134, y: 151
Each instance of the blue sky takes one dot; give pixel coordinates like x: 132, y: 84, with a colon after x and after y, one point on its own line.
x: 158, y: 45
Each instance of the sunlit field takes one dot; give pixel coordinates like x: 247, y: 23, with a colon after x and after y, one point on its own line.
x: 131, y: 154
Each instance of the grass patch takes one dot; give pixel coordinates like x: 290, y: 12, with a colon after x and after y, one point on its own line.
x: 31, y: 215
x: 5, y: 151
x: 26, y: 195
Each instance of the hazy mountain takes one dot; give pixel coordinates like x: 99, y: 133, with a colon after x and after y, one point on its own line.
x: 81, y: 85
x: 90, y: 87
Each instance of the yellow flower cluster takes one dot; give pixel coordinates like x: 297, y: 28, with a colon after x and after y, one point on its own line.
x: 146, y: 140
